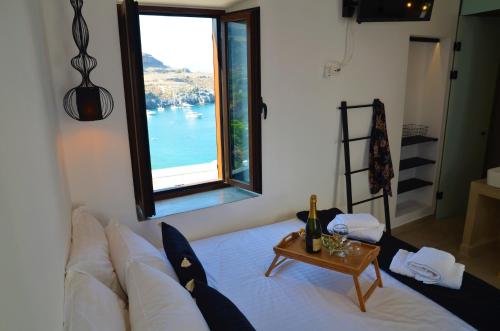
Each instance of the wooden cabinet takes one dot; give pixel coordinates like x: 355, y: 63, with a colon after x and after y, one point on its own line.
x: 482, y: 223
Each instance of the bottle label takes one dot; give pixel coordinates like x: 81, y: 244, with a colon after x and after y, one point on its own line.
x: 316, y: 245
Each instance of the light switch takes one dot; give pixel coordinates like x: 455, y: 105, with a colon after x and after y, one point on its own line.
x: 331, y: 69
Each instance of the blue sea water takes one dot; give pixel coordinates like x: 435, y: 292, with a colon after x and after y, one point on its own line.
x: 176, y: 140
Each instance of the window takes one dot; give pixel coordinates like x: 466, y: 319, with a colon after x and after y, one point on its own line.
x: 192, y: 86
x: 179, y: 80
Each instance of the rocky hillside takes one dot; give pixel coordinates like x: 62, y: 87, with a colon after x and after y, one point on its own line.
x: 149, y: 62
x: 166, y: 86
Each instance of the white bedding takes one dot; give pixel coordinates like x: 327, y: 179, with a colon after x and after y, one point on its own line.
x: 298, y: 296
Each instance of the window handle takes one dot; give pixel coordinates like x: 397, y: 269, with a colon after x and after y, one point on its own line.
x: 264, y: 108
x: 140, y: 213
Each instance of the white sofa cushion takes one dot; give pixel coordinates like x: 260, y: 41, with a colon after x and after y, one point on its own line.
x: 92, y: 306
x: 158, y: 303
x: 89, y: 251
x: 127, y: 246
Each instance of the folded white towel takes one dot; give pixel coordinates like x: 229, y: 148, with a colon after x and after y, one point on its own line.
x: 430, y: 264
x: 372, y: 234
x: 398, y: 263
x: 355, y: 222
x: 452, y: 279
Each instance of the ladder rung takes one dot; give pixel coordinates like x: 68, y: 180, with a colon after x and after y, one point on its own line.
x: 355, y: 139
x: 356, y: 171
x: 358, y: 106
x: 366, y: 200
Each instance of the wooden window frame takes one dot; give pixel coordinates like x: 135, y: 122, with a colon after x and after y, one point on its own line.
x: 133, y: 83
x: 252, y: 17
x: 137, y: 122
x: 202, y: 13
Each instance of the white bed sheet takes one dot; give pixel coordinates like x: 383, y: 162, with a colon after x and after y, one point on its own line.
x: 298, y: 296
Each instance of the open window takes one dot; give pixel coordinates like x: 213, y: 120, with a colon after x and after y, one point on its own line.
x: 192, y: 87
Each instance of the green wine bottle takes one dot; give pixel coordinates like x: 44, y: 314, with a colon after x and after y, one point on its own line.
x: 313, y: 228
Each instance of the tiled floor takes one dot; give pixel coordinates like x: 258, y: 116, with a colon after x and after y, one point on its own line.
x: 446, y: 235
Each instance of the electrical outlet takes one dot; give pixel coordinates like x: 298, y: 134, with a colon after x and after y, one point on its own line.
x: 331, y: 69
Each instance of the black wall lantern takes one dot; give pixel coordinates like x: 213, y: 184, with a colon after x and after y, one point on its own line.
x: 86, y: 102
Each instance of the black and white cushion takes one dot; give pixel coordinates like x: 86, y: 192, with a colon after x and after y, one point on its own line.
x: 181, y: 256
x: 220, y: 313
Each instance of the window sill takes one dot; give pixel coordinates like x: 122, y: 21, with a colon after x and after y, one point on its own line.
x: 201, y: 200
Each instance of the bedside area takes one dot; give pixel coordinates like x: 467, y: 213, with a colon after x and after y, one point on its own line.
x: 482, y: 222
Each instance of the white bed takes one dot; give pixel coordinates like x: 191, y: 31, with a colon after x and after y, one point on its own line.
x: 303, y: 297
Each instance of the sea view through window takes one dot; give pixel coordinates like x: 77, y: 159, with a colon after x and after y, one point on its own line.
x: 178, y: 67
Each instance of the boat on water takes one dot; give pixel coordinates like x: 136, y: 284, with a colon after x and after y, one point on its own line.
x: 174, y: 107
x: 186, y: 105
x: 150, y: 112
x: 160, y: 109
x: 193, y: 115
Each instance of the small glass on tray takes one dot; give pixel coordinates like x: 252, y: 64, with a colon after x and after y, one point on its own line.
x: 354, y: 247
x: 337, y: 244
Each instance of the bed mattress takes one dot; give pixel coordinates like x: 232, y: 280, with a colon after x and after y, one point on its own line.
x: 298, y: 296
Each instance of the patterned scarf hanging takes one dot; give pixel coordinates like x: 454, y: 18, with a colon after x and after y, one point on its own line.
x: 380, y: 163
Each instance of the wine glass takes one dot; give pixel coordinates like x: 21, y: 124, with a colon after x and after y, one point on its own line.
x: 340, y: 232
x: 354, y: 247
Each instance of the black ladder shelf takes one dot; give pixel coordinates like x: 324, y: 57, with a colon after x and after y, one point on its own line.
x: 348, y: 172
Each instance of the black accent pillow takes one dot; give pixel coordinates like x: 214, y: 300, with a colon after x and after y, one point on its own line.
x: 177, y: 249
x: 325, y: 217
x: 220, y: 313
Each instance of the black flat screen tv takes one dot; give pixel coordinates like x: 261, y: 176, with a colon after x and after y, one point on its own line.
x: 394, y: 10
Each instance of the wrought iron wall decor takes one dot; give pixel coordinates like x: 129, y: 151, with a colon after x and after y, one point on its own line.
x: 87, y: 101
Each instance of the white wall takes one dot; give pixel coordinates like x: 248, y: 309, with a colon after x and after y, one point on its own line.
x: 34, y: 203
x: 301, y: 152
x: 243, y: 4
x: 427, y: 79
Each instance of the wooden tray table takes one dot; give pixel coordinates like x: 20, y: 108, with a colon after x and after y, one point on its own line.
x: 293, y: 247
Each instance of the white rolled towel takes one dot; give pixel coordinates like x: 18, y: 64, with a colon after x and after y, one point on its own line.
x: 431, y: 265
x: 454, y: 278
x: 355, y: 222
x: 451, y: 280
x: 398, y: 263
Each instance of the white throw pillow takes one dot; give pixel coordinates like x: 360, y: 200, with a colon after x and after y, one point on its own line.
x: 127, y: 246
x: 91, y: 306
x: 89, y: 251
x: 158, y: 303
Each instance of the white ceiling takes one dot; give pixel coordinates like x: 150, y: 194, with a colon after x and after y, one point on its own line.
x: 219, y: 4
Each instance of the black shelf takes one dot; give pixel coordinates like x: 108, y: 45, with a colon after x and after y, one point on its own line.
x: 412, y: 140
x: 412, y: 184
x: 414, y: 162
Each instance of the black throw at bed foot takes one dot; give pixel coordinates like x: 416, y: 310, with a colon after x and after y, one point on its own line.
x: 477, y: 302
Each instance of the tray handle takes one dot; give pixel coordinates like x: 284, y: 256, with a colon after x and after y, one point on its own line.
x: 289, y: 237
x: 370, y: 256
